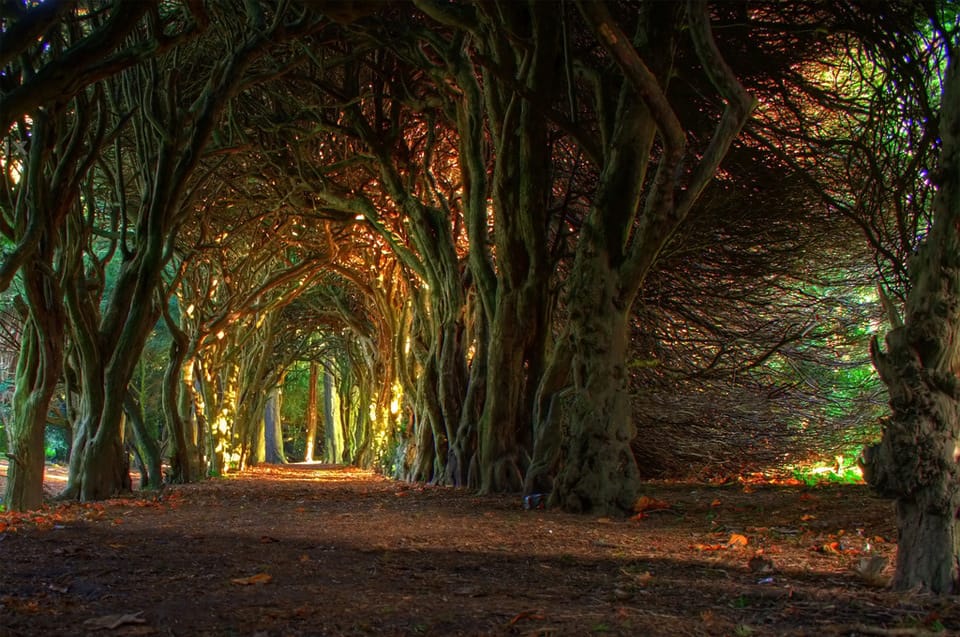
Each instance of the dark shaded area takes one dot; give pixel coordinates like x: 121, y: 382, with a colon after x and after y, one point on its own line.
x: 353, y: 554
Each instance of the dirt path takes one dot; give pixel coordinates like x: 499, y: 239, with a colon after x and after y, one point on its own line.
x: 309, y: 550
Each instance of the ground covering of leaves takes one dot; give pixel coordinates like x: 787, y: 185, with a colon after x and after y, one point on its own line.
x: 313, y: 550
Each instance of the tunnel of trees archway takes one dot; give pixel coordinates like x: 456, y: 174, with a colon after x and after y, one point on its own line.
x: 515, y: 246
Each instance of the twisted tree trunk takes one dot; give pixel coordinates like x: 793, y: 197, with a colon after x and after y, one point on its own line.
x: 916, y: 463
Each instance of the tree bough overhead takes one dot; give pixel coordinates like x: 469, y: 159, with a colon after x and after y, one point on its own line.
x: 468, y: 238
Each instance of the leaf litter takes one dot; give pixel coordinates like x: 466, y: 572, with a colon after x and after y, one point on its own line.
x: 314, y: 550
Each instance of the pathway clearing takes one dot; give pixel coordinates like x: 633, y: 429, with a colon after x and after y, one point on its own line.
x: 317, y: 550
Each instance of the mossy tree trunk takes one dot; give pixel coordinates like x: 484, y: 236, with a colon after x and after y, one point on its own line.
x: 500, y: 111
x: 147, y: 445
x: 184, y: 451
x: 333, y: 430
x: 55, y: 151
x: 641, y: 199
x: 916, y: 462
x: 37, y: 374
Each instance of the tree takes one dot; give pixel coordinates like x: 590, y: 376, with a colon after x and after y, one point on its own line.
x: 632, y: 216
x: 312, y: 412
x: 173, y: 119
x: 47, y: 158
x: 867, y: 138
x: 917, y: 460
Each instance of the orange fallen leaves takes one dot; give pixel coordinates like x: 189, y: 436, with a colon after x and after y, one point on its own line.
x: 646, y: 503
x: 527, y: 614
x: 51, y: 517
x: 737, y: 540
x: 709, y: 547
x: 253, y: 580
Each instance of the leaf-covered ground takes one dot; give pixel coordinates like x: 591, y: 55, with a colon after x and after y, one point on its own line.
x: 312, y: 550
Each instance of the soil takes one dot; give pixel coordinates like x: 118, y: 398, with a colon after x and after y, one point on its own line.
x: 319, y: 550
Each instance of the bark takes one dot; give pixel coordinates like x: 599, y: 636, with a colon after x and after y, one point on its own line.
x: 333, y: 431
x: 549, y: 410
x: 273, y: 430
x: 36, y: 377
x: 916, y: 462
x: 500, y: 421
x: 184, y: 452
x: 462, y: 467
x: 599, y: 473
x: 146, y: 445
x: 311, y: 434
x: 632, y: 217
x: 521, y: 193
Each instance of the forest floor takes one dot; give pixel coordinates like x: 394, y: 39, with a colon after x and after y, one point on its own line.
x: 318, y: 550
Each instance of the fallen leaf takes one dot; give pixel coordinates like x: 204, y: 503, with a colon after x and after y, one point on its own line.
x: 646, y: 503
x: 109, y: 622
x: 709, y: 547
x: 716, y: 503
x: 259, y: 578
x: 527, y: 614
x: 806, y: 517
x: 737, y: 539
x: 604, y: 521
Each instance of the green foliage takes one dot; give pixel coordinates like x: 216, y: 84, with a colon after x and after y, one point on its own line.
x: 293, y: 409
x: 842, y: 470
x: 832, y: 365
x: 56, y: 446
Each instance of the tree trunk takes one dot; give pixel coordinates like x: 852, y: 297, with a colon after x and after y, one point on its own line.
x: 146, y: 444
x: 502, y: 414
x: 463, y: 450
x: 916, y: 462
x: 105, y: 469
x: 599, y: 474
x: 38, y: 369
x: 549, y: 430
x: 333, y: 432
x: 273, y: 430
x: 181, y: 471
x: 311, y: 437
